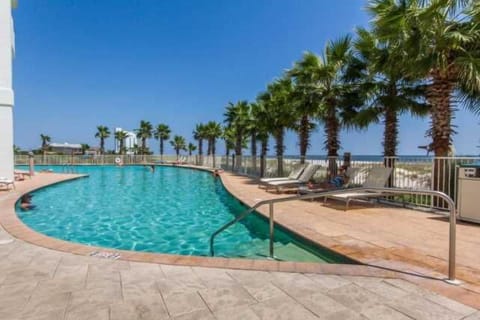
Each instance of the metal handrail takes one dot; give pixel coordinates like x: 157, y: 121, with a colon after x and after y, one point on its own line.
x: 384, y: 191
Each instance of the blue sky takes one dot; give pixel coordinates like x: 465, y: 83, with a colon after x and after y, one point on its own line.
x: 83, y: 63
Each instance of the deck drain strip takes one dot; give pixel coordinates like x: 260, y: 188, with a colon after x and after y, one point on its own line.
x: 105, y: 255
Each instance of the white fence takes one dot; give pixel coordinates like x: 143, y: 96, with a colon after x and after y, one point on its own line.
x: 408, y: 172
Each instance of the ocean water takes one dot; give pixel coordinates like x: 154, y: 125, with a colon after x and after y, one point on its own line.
x: 171, y: 210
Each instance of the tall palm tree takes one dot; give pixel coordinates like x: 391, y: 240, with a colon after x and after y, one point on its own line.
x: 336, y: 95
x: 178, y: 143
x: 260, y: 116
x: 279, y: 114
x: 120, y: 136
x: 229, y: 138
x: 143, y: 133
x: 162, y: 133
x: 16, y: 149
x: 237, y: 117
x: 191, y: 147
x: 387, y: 90
x: 442, y: 42
x: 213, y: 132
x: 441, y: 39
x: 199, y: 134
x: 306, y: 74
x: 253, y: 131
x: 85, y: 147
x: 45, y: 141
x: 102, y: 133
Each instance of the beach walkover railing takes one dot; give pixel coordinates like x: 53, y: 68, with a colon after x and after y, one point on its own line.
x: 321, y: 194
x: 414, y: 172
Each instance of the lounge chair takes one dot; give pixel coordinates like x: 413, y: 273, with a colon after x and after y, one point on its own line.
x: 7, y: 182
x: 294, y: 175
x: 377, y: 178
x: 20, y: 174
x: 306, y: 175
x: 351, y: 174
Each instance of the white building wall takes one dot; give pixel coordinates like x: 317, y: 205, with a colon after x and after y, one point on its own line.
x: 6, y: 92
x: 130, y: 141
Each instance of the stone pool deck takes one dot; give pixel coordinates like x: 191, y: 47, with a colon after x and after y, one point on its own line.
x: 39, y: 282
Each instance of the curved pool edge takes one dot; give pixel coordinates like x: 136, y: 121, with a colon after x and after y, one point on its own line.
x: 13, y: 225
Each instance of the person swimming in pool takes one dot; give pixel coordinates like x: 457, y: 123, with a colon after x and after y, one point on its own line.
x: 26, y: 202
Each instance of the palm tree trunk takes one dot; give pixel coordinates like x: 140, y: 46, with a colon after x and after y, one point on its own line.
x: 279, y: 148
x: 144, y: 146
x: 439, y: 95
x: 238, y: 151
x: 263, y: 155
x: 200, y: 151
x: 209, y: 147
x: 390, y: 134
x: 253, y: 147
x: 213, y: 152
x: 332, y: 129
x: 304, y: 137
x: 161, y: 149
x: 227, y: 154
x: 390, y: 140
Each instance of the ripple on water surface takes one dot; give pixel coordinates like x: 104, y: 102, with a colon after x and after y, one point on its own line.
x: 172, y: 210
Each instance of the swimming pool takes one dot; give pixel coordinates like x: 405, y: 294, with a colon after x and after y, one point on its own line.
x: 171, y: 210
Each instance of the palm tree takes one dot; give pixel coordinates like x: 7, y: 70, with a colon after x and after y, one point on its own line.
x: 335, y: 94
x: 279, y: 114
x: 191, y: 147
x: 253, y: 131
x: 237, y: 117
x: 387, y: 91
x: 259, y: 117
x: 441, y: 40
x: 199, y: 134
x: 144, y: 132
x: 229, y: 137
x: 45, y: 141
x: 102, y: 133
x: 213, y: 132
x: 120, y: 136
x: 306, y: 74
x: 85, y: 147
x: 16, y: 149
x: 178, y: 143
x: 162, y: 133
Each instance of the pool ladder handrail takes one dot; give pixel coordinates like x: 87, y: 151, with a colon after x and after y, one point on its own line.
x: 387, y: 191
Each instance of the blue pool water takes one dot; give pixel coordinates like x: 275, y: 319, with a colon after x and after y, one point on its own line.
x: 172, y: 210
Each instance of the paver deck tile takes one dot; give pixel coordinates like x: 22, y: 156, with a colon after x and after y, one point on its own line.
x: 183, y: 303
x: 196, y: 315
x: 283, y: 308
x: 226, y: 297
x: 236, y: 313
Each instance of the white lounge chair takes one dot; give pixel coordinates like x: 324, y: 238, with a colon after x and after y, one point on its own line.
x: 295, y: 174
x: 351, y: 174
x: 306, y: 175
x: 7, y: 182
x: 377, y: 178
